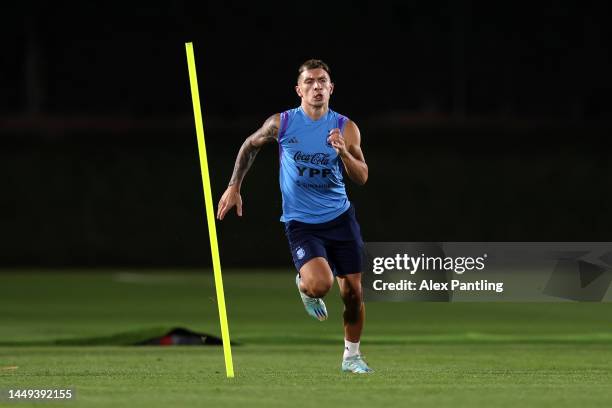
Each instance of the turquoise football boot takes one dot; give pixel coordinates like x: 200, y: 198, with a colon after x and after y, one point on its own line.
x: 355, y: 364
x: 314, y: 306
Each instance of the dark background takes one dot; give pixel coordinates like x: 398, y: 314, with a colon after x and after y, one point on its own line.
x: 480, y: 122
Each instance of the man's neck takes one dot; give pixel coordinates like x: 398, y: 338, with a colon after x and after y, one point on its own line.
x: 315, y: 112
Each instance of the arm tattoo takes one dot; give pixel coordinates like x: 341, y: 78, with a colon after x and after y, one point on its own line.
x: 245, y: 158
x: 249, y: 149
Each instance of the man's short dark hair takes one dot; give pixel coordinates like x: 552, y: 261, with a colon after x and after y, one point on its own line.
x: 313, y: 64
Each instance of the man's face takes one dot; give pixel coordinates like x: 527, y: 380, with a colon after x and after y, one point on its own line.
x: 314, y: 87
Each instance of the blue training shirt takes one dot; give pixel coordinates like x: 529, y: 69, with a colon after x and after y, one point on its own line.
x: 310, y: 170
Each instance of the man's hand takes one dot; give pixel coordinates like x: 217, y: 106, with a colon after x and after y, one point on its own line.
x: 336, y: 139
x: 348, y: 147
x: 230, y: 198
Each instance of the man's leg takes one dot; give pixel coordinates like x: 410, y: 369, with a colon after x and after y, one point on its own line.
x: 316, y: 277
x: 314, y: 281
x: 354, y: 309
x: 354, y: 318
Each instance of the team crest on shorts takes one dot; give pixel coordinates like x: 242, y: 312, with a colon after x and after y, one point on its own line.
x: 300, y: 252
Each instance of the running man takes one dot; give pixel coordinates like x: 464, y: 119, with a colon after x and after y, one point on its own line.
x: 320, y: 224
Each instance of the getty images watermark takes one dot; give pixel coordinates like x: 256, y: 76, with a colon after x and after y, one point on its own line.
x: 411, y: 265
x: 487, y: 271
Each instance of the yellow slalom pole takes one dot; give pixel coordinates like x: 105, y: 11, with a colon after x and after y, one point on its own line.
x: 210, y: 215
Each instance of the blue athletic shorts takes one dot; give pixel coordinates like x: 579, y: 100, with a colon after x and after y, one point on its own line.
x: 339, y: 241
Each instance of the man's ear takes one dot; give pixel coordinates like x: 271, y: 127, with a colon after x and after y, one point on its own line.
x: 298, y: 91
x: 331, y: 88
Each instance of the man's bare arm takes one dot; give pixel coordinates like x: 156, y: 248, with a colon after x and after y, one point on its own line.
x: 246, y: 155
x: 348, y: 146
x: 249, y: 149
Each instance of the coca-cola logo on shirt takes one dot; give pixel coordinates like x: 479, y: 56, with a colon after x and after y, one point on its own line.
x: 312, y: 158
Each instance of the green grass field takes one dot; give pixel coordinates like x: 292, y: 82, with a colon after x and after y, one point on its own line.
x: 424, y: 354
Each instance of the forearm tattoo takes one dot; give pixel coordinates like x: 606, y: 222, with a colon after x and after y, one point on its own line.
x: 249, y: 149
x: 245, y: 158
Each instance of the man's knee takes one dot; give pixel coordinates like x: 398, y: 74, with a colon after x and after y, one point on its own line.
x: 318, y: 287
